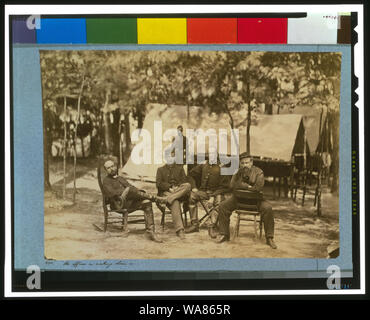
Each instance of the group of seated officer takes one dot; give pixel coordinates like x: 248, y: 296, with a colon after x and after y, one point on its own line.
x: 203, y: 183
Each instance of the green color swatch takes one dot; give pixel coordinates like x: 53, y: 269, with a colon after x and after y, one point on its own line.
x: 112, y: 30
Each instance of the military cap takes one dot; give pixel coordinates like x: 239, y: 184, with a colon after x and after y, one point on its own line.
x: 245, y: 155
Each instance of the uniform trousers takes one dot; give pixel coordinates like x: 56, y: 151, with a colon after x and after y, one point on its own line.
x: 174, y: 200
x: 227, y: 207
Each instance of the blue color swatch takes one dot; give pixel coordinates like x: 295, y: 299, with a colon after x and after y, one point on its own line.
x: 61, y: 31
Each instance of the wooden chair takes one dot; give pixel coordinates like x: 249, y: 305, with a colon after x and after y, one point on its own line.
x: 248, y: 213
x: 308, y: 180
x: 247, y: 210
x: 109, y: 218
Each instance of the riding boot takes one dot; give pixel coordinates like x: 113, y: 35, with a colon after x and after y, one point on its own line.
x: 149, y: 225
x: 193, y: 210
x: 212, y: 228
x: 125, y: 230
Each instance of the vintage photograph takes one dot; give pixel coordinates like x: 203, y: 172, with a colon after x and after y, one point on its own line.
x: 190, y: 154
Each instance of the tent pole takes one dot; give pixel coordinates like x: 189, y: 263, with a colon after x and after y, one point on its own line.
x: 318, y: 189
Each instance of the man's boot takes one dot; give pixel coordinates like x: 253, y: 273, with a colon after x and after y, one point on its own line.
x: 160, y: 200
x: 212, y: 228
x: 125, y: 230
x: 181, y: 234
x: 222, y: 238
x: 193, y: 210
x: 149, y: 225
x: 270, y: 242
x: 193, y: 228
x: 212, y: 231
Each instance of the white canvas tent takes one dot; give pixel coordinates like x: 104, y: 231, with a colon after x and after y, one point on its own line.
x: 311, y: 119
x: 274, y: 136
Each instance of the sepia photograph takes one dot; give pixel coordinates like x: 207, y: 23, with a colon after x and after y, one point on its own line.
x: 153, y: 154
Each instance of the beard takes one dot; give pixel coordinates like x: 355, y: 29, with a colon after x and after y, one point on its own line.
x: 113, y: 173
x: 245, y: 173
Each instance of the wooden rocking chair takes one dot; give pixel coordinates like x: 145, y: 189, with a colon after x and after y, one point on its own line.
x: 109, y: 217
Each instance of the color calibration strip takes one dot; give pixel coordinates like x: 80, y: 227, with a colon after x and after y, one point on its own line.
x: 312, y: 29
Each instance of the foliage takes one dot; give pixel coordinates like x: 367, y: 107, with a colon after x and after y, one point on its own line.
x: 217, y: 80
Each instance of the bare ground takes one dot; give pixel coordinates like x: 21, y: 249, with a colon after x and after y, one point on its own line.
x: 70, y: 233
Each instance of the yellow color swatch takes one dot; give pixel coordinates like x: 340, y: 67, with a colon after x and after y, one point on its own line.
x: 161, y: 31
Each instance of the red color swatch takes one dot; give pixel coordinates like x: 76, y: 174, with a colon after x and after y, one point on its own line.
x: 262, y: 30
x: 212, y: 30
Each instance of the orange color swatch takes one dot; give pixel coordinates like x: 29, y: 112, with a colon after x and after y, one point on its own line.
x: 212, y: 30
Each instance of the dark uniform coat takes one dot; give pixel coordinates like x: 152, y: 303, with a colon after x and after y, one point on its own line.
x: 113, y: 188
x: 207, y: 177
x: 170, y: 176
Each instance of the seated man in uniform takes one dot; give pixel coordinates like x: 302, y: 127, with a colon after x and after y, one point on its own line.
x: 212, y: 187
x: 121, y: 194
x: 173, y: 186
x: 250, y: 178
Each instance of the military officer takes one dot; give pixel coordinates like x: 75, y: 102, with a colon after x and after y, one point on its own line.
x: 172, y: 184
x: 121, y: 193
x: 250, y: 178
x: 212, y: 187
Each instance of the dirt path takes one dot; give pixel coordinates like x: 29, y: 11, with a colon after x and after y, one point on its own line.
x: 70, y: 234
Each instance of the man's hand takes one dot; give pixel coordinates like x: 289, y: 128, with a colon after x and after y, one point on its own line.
x: 211, y: 200
x: 125, y: 193
x: 194, y: 190
x: 174, y: 188
x: 244, y: 185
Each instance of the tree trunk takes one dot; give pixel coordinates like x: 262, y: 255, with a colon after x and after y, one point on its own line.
x: 318, y: 192
x: 65, y: 148
x: 82, y: 147
x: 47, y: 185
x: 47, y: 144
x: 304, y: 150
x: 74, y: 169
x: 127, y: 134
x: 127, y: 130
x: 140, y: 119
x: 107, y: 127
x: 75, y: 139
x: 115, y: 129
x: 120, y: 143
x: 249, y: 119
x: 107, y: 134
x: 333, y: 118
